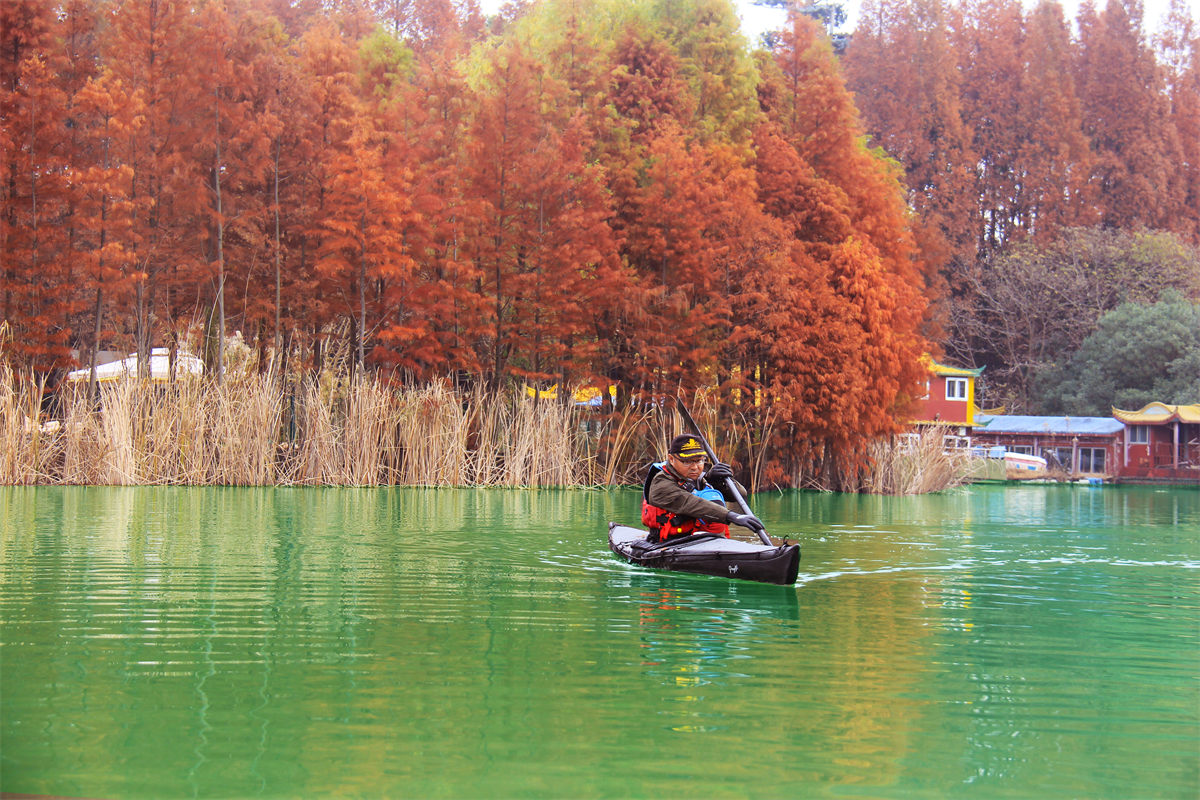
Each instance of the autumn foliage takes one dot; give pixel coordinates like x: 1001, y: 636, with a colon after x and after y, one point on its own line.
x: 1021, y: 133
x: 1015, y: 125
x: 571, y: 192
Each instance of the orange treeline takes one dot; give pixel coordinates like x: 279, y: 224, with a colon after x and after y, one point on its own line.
x: 1042, y: 158
x: 1011, y: 124
x: 574, y: 191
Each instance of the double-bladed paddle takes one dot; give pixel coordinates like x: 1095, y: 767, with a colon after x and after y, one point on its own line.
x: 687, y: 417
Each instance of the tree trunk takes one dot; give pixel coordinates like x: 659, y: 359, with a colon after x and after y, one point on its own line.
x: 95, y: 345
x: 142, y: 335
x: 277, y: 341
x: 220, y: 256
x: 362, y: 292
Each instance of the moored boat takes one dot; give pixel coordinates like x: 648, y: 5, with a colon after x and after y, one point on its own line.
x: 708, y: 554
x: 1024, y: 466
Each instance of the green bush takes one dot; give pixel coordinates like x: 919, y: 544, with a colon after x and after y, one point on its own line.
x: 1138, y: 353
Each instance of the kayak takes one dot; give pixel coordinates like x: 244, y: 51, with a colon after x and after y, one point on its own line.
x: 708, y: 554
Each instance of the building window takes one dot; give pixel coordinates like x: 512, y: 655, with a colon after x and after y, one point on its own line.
x: 1023, y: 449
x: 956, y: 388
x: 1058, y: 457
x: 1091, y: 459
x: 1139, y: 434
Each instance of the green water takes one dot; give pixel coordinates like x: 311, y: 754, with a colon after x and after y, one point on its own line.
x: 1002, y: 642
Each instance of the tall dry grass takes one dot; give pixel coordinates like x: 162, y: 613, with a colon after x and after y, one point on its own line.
x: 255, y: 429
x: 537, y: 446
x: 614, y: 449
x: 186, y: 432
x: 433, y: 435
x: 246, y: 415
x: 915, y: 465
x: 27, y: 449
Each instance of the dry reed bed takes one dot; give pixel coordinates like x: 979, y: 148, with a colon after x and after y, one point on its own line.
x: 256, y: 430
x: 253, y: 430
x: 915, y: 465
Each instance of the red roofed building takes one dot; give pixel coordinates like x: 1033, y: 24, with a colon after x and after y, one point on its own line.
x: 949, y: 402
x: 1161, y: 442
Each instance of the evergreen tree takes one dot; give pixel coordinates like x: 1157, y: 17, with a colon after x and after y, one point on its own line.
x: 1139, y: 353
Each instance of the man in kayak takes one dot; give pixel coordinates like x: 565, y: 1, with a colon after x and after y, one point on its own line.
x: 680, y: 498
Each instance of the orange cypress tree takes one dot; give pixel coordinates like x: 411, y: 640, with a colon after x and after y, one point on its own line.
x: 415, y: 150
x: 1179, y: 44
x: 311, y: 84
x: 108, y: 115
x: 425, y: 26
x: 362, y: 248
x: 149, y: 48
x: 904, y: 76
x: 1127, y: 120
x: 501, y: 141
x: 327, y: 66
x: 646, y: 87
x: 571, y: 251
x: 431, y: 329
x: 541, y: 234
x: 682, y: 237
x: 78, y: 34
x: 842, y: 353
x: 230, y: 150
x: 280, y: 111
x: 989, y: 34
x: 37, y: 296
x: 1052, y: 152
x: 812, y: 326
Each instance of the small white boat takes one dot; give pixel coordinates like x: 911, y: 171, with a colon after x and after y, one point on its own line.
x: 1024, y: 464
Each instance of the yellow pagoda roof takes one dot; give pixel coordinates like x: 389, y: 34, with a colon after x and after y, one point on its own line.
x: 1158, y: 414
x: 586, y: 395
x: 942, y: 369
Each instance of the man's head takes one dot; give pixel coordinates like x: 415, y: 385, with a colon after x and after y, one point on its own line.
x: 686, y: 456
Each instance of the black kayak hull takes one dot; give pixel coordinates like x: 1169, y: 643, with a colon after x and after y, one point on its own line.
x: 708, y: 555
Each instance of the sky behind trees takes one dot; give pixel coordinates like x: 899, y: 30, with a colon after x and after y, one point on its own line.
x: 757, y: 19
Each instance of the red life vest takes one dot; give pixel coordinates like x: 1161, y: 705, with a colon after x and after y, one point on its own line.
x: 665, y: 524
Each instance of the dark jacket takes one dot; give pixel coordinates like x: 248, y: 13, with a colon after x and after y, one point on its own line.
x: 670, y: 492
